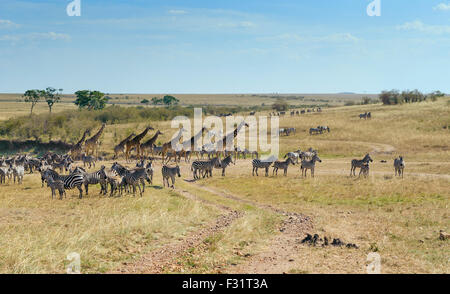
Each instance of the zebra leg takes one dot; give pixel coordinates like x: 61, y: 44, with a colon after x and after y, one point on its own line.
x: 81, y: 192
x: 223, y: 172
x: 86, y: 188
x: 173, y: 182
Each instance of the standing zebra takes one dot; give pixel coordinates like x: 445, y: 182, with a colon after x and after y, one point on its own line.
x: 56, y: 185
x: 282, y: 165
x: 358, y: 163
x: 257, y: 163
x: 224, y: 164
x: 18, y: 172
x: 364, y: 170
x: 170, y: 172
x: 204, y: 166
x: 399, y: 166
x: 98, y: 177
x: 71, y: 181
x: 134, y: 177
x: 88, y: 160
x: 309, y: 164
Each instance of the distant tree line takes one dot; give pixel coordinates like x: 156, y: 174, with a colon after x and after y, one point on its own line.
x: 85, y: 99
x: 396, y: 97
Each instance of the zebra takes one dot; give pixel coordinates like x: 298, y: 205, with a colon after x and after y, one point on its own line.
x: 3, y: 174
x: 134, y: 177
x: 315, y: 131
x: 309, y: 164
x: 364, y: 170
x: 70, y: 181
x: 363, y: 115
x: 399, y: 166
x: 308, y: 154
x: 257, y: 163
x: 294, y: 156
x: 358, y: 163
x: 18, y: 172
x: 56, y: 185
x: 170, y: 172
x: 88, y: 160
x: 324, y: 128
x: 98, y: 177
x: 224, y: 164
x: 282, y: 165
x: 204, y: 166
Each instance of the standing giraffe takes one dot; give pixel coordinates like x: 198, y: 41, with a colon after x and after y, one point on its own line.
x: 75, y: 151
x: 121, y: 146
x: 148, y: 146
x: 91, y: 144
x: 166, y: 147
x: 136, y: 143
x: 230, y: 136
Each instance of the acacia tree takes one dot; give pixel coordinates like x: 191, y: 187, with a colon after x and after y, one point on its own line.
x: 170, y: 100
x: 92, y: 100
x: 33, y: 97
x: 51, y: 96
x: 280, y: 105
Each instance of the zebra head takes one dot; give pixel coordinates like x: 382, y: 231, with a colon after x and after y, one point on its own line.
x: 316, y: 158
x: 367, y: 158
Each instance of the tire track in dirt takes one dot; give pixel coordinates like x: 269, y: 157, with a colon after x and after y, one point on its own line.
x: 283, y: 248
x: 165, y: 258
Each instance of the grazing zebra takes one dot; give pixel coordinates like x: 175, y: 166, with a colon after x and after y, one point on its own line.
x: 17, y: 171
x: 364, y: 115
x: 224, y: 164
x: 70, y: 181
x: 204, y: 166
x: 315, y: 131
x: 56, y: 185
x: 309, y: 164
x: 257, y: 164
x: 88, y: 160
x: 364, y: 170
x: 98, y: 177
x: 358, y: 163
x: 282, y: 165
x: 324, y: 128
x: 170, y: 172
x: 399, y: 166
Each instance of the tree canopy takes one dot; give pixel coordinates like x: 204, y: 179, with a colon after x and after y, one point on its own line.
x: 280, y: 105
x: 33, y: 97
x: 92, y: 100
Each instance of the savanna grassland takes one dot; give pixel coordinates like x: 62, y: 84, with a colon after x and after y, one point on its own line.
x: 243, y: 223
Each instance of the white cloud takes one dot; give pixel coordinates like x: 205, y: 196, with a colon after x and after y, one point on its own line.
x: 52, y: 36
x: 442, y: 6
x: 177, y: 11
x: 421, y: 27
x: 4, y: 23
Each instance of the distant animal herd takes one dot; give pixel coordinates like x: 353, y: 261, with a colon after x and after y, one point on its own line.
x: 119, y: 179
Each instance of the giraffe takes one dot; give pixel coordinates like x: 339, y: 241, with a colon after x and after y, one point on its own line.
x: 91, y: 144
x: 229, y: 136
x: 121, y: 146
x: 75, y: 151
x: 136, y: 143
x: 166, y: 147
x: 189, y: 144
x: 148, y: 146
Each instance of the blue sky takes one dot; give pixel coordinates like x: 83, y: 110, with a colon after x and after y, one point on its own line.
x: 225, y: 46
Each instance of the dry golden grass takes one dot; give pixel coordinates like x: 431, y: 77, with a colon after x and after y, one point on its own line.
x: 399, y: 218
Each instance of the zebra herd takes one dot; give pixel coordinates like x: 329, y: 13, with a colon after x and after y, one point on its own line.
x: 319, y: 130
